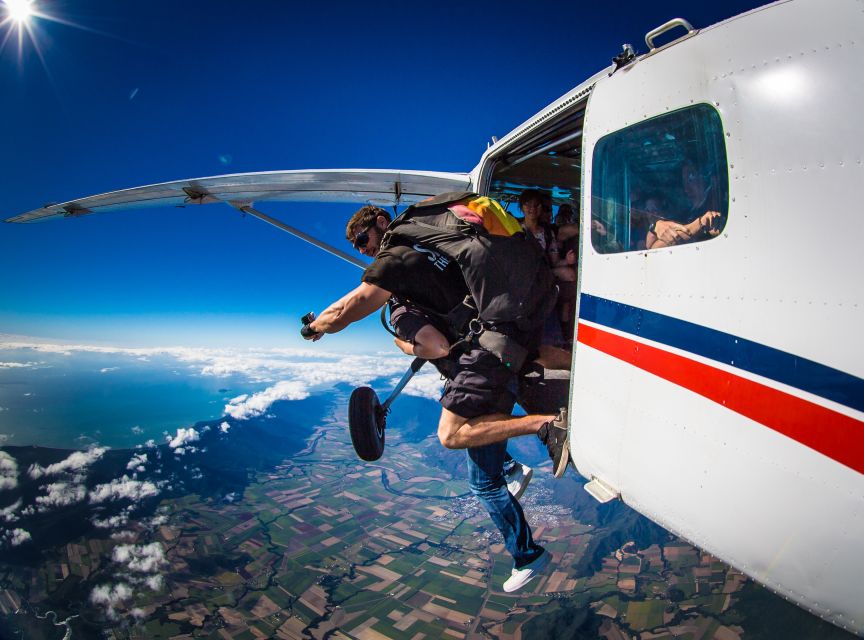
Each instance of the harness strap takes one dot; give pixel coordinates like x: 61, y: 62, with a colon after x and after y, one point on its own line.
x: 463, y: 322
x: 385, y: 323
x: 459, y: 316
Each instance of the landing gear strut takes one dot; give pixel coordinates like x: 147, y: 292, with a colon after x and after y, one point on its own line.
x: 367, y: 416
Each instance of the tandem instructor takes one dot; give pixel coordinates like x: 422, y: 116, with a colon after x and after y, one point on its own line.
x: 423, y: 286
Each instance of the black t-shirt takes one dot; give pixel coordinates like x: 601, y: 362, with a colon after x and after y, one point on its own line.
x: 419, y: 274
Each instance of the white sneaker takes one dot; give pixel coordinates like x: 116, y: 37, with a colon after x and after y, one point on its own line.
x: 518, y: 478
x: 520, y: 577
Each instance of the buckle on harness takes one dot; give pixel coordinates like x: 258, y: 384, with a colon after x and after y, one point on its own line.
x: 475, y: 328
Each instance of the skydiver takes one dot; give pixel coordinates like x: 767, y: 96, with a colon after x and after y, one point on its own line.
x: 416, y: 332
x: 480, y: 391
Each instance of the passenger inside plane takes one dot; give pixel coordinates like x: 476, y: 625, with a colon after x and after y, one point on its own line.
x: 700, y: 221
x: 660, y: 183
x: 534, y: 177
x: 566, y: 215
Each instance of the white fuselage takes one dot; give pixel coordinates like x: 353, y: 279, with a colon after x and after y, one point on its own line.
x: 717, y: 386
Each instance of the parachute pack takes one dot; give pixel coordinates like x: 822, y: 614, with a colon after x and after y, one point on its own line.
x: 509, y: 281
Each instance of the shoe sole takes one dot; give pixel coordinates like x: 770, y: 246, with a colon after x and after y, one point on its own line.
x: 536, y: 573
x: 524, y: 486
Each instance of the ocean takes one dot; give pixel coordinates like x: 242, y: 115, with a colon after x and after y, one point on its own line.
x: 73, y: 400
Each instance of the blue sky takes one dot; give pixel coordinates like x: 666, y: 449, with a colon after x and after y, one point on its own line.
x: 139, y: 93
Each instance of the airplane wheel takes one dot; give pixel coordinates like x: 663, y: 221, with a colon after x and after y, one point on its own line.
x: 366, y: 421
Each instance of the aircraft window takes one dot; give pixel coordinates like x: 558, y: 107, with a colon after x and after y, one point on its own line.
x: 660, y: 183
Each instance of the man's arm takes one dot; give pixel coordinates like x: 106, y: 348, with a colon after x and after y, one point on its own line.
x: 668, y: 233
x: 352, y: 307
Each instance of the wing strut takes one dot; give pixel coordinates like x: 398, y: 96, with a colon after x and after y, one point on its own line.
x: 347, y: 257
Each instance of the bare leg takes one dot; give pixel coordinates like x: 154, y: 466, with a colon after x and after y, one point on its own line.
x: 404, y: 346
x: 456, y: 432
x: 429, y: 344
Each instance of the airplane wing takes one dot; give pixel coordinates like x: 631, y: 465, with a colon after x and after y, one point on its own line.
x: 382, y: 187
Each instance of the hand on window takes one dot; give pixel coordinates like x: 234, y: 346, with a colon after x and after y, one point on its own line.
x: 667, y: 234
x: 710, y: 223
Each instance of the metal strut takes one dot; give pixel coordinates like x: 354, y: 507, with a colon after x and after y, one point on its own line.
x: 397, y: 189
x: 347, y: 257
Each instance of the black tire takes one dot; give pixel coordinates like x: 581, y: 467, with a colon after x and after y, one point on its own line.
x: 366, y: 422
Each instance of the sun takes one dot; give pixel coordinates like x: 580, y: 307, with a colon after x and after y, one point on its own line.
x: 19, y: 22
x: 18, y: 11
x: 22, y: 22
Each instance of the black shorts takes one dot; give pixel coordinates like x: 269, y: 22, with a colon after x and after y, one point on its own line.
x: 481, y: 385
x: 477, y: 384
x: 407, y: 320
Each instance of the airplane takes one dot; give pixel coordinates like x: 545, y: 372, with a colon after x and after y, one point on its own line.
x: 718, y: 383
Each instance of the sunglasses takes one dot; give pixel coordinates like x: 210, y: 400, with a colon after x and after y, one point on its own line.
x: 361, y: 239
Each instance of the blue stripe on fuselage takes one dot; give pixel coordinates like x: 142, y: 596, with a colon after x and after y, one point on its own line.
x: 789, y: 369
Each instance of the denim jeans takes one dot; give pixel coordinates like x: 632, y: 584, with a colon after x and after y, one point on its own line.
x: 487, y: 483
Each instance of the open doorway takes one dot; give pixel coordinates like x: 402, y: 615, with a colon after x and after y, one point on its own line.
x: 542, y: 168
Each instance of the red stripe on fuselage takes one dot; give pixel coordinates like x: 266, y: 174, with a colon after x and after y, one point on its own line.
x: 833, y: 434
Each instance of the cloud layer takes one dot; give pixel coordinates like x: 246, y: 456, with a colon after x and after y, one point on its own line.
x: 291, y: 373
x: 13, y: 537
x: 245, y: 406
x: 61, y: 494
x: 184, y: 437
x: 75, y: 463
x: 140, y: 567
x: 124, y: 488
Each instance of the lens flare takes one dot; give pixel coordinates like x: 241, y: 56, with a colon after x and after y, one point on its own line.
x: 19, y: 11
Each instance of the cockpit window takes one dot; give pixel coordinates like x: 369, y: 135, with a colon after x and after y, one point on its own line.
x: 660, y: 183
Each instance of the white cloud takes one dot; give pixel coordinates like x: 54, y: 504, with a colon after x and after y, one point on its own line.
x: 76, y: 462
x: 137, y: 462
x: 8, y: 471
x: 184, y: 436
x: 112, y: 522
x: 18, y: 365
x: 14, y: 537
x: 245, y: 407
x: 7, y: 514
x: 123, y: 535
x: 427, y: 384
x: 262, y: 365
x: 137, y: 430
x: 155, y: 582
x: 141, y: 566
x: 158, y: 520
x: 61, y: 494
x: 291, y: 374
x: 146, y: 558
x: 106, y: 594
x: 111, y: 597
x: 108, y: 369
x: 224, y: 427
x: 123, y: 488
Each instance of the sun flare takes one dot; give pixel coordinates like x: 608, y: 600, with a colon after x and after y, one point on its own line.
x: 19, y: 11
